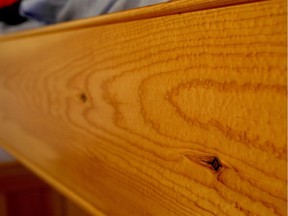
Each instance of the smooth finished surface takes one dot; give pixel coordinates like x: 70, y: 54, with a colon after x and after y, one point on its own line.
x: 125, y: 118
x: 158, y: 10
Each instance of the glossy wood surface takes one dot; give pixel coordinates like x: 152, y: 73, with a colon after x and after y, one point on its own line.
x: 175, y: 115
x: 148, y: 12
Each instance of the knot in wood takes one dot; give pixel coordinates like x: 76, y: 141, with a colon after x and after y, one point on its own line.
x: 215, y: 164
x: 83, y: 97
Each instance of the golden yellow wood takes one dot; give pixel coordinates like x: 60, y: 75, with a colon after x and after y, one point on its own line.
x: 128, y: 118
x: 148, y: 12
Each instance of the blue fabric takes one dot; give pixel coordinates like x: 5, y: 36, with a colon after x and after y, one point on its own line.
x: 44, y: 11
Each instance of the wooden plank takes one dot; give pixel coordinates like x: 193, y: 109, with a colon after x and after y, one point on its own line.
x: 152, y: 11
x: 135, y: 118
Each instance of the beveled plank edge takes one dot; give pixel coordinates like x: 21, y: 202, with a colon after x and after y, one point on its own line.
x: 152, y: 11
x: 52, y: 181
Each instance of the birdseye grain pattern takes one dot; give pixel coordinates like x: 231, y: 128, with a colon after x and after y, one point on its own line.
x: 176, y: 115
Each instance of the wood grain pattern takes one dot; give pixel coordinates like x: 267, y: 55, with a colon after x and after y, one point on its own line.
x: 132, y: 118
x: 148, y: 12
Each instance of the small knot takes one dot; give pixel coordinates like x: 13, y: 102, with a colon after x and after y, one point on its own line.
x: 83, y: 97
x: 215, y: 164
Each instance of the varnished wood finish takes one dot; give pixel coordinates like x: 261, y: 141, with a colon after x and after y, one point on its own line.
x: 148, y: 12
x: 176, y: 115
